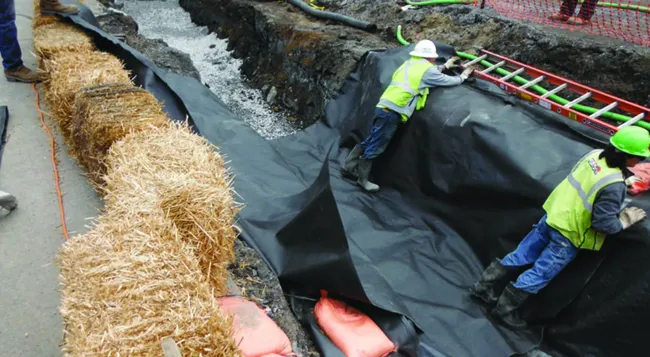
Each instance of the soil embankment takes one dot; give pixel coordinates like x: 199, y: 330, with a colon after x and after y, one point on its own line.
x: 307, y: 59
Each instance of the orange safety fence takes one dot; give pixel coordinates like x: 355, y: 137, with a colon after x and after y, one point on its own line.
x: 626, y: 20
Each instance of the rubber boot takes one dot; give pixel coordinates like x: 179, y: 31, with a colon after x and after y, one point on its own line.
x: 493, y: 280
x: 364, y: 168
x: 51, y: 7
x: 351, y: 163
x: 508, y: 304
x: 8, y: 201
x: 23, y: 75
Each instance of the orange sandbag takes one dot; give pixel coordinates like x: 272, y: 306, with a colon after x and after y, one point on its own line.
x: 642, y: 171
x: 255, y: 332
x: 350, y: 330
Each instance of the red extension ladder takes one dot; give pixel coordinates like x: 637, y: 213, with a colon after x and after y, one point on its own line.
x: 526, y: 89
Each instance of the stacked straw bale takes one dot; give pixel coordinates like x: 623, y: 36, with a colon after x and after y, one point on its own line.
x: 105, y: 114
x: 170, y: 171
x: 129, y: 283
x: 71, y: 71
x: 57, y: 37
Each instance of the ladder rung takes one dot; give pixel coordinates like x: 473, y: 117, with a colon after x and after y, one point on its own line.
x: 632, y: 121
x: 493, y: 67
x: 511, y: 75
x: 578, y: 100
x: 533, y: 82
x: 603, y: 110
x: 557, y: 89
x: 475, y: 60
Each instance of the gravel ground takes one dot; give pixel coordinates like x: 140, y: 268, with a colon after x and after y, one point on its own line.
x: 167, y: 21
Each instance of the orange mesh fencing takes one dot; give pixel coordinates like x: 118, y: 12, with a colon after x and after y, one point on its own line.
x: 626, y: 20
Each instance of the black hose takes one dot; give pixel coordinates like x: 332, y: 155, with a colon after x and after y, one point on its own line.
x: 334, y: 16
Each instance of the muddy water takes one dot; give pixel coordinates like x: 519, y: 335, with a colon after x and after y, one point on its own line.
x: 167, y: 21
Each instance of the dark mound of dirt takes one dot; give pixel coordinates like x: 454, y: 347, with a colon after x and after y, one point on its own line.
x: 156, y: 50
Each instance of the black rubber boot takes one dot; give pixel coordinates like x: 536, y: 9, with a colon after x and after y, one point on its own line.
x: 508, y: 305
x: 364, y: 168
x: 351, y: 162
x: 494, y: 279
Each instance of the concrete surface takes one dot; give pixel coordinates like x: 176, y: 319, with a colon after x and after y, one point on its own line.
x: 30, y: 236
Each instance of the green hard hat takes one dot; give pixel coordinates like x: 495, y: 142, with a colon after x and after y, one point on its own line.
x: 632, y: 140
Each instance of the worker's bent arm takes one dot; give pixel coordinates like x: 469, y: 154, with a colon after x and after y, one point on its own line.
x: 434, y: 78
x: 607, y: 207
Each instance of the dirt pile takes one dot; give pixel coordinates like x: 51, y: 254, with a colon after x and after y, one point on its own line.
x: 307, y: 59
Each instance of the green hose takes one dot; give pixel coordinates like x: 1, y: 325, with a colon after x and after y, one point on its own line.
x: 438, y: 2
x: 539, y: 89
x: 603, y: 4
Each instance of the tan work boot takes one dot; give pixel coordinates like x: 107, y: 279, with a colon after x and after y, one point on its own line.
x: 559, y: 17
x: 23, y: 75
x: 51, y: 7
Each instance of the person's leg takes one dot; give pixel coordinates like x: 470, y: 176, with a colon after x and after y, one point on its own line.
x: 558, y: 254
x: 383, y: 130
x: 567, y: 9
x: 9, y: 47
x: 499, y: 273
x: 587, y: 9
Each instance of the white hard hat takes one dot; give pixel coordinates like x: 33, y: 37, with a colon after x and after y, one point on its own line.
x: 426, y: 49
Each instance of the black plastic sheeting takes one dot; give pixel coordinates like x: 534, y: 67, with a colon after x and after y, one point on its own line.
x: 462, y: 183
x: 4, y: 121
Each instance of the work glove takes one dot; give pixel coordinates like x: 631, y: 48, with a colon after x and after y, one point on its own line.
x: 631, y: 215
x: 629, y: 182
x: 452, y: 63
x: 466, y: 73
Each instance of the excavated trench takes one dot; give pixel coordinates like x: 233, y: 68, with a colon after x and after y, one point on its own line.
x: 307, y: 59
x: 277, y: 69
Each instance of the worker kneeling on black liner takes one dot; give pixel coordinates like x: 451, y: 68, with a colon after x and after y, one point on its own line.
x: 580, y: 212
x: 406, y: 93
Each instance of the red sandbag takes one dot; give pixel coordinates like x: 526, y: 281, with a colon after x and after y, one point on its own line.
x: 350, y: 330
x: 642, y: 171
x: 255, y: 332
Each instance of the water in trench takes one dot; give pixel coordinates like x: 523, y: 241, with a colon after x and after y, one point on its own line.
x: 167, y: 21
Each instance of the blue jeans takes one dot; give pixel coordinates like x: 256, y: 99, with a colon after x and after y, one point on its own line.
x: 9, y: 47
x: 383, y: 129
x: 548, y: 250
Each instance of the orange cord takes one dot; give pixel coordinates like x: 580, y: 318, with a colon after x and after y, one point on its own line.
x: 54, y: 165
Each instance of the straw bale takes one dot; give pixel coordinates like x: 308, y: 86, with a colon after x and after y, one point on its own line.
x: 42, y: 20
x: 59, y: 36
x: 106, y: 113
x: 71, y: 71
x: 129, y: 283
x: 180, y: 173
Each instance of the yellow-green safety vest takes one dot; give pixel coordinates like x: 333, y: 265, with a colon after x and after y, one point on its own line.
x: 570, y: 205
x: 401, y: 94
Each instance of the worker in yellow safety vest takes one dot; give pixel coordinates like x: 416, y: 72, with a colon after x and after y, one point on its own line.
x: 584, y: 208
x: 405, y: 94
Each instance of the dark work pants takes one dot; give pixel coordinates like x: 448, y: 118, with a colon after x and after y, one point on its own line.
x: 587, y: 8
x: 383, y: 129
